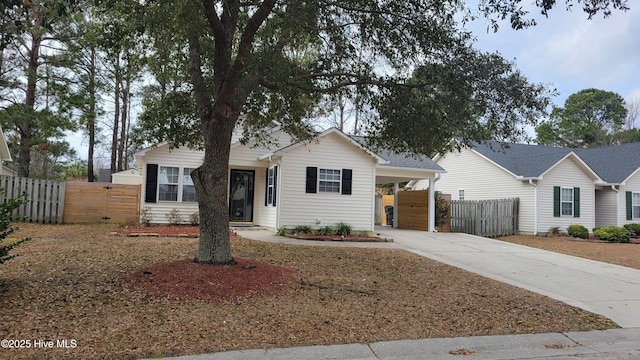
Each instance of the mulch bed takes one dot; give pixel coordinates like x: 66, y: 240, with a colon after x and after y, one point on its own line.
x: 352, y: 238
x: 184, y: 279
x: 160, y: 230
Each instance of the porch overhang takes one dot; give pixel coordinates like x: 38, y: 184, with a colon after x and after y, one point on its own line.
x: 391, y: 174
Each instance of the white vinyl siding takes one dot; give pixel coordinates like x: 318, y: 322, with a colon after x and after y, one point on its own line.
x: 265, y: 215
x: 606, y: 200
x: 566, y: 174
x: 297, y: 207
x: 483, y: 180
x: 246, y: 156
x: 631, y: 184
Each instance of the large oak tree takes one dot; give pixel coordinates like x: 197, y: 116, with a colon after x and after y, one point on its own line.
x: 409, y: 61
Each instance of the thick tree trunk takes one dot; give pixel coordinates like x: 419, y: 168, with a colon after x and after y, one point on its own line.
x: 91, y: 120
x: 26, y: 133
x: 116, y: 117
x: 211, y: 183
x: 123, y: 125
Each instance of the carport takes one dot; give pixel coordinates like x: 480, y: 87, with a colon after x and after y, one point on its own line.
x: 404, y: 168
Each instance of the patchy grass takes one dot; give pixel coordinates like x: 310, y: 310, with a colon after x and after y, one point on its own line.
x: 70, y: 282
x: 613, y: 253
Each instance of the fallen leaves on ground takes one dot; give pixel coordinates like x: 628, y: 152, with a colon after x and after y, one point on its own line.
x: 614, y: 253
x: 74, y: 282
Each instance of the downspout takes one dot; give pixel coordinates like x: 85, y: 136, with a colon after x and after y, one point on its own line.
x: 432, y: 203
x: 618, y: 222
x: 535, y: 206
x: 395, y: 205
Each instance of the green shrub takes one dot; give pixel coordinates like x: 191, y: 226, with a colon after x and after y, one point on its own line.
x: 6, y: 216
x: 555, y: 230
x: 343, y: 229
x: 282, y: 231
x: 613, y: 234
x: 443, y: 209
x: 325, y: 230
x: 633, y: 228
x: 303, y: 229
x: 366, y: 233
x: 577, y: 230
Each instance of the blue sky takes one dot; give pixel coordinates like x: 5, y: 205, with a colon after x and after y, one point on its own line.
x: 572, y: 53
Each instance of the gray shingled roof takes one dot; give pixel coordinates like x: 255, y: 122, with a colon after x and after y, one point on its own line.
x: 522, y: 159
x: 406, y: 160
x: 614, y: 164
x: 402, y: 160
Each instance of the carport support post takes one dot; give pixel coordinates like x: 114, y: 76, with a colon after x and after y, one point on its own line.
x: 432, y: 205
x: 395, y: 204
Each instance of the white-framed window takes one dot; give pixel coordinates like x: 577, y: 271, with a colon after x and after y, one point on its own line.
x: 566, y: 201
x: 175, y: 184
x: 461, y: 194
x: 168, y: 183
x: 270, y: 185
x: 188, y: 189
x: 636, y: 205
x: 329, y: 181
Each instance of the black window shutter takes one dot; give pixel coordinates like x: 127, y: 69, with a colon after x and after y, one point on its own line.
x: 346, y: 181
x: 312, y: 179
x: 576, y: 202
x: 275, y: 184
x: 556, y: 201
x: 629, y: 196
x: 266, y: 188
x: 151, y: 187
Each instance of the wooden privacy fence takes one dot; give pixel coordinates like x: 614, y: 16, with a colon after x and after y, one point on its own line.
x: 101, y: 202
x: 489, y: 218
x: 46, y: 198
x: 413, y: 210
x: 55, y: 202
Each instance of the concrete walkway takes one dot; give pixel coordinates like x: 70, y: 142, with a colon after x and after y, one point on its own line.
x: 616, y: 344
x: 609, y: 290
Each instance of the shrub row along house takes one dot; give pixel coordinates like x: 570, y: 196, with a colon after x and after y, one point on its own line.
x: 556, y: 186
x: 325, y: 181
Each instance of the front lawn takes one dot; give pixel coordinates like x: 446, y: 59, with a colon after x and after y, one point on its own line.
x: 624, y: 254
x: 71, y: 282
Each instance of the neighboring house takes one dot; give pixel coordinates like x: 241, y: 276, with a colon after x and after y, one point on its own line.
x: 127, y: 177
x: 556, y: 186
x: 321, y: 182
x: 618, y: 198
x: 5, y: 156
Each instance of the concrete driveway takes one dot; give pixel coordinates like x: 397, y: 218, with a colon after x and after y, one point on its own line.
x: 609, y: 290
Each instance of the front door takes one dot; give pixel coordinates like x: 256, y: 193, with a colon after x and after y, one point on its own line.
x: 241, y: 195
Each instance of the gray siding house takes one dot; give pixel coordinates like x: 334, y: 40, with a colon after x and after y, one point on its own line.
x: 557, y: 186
